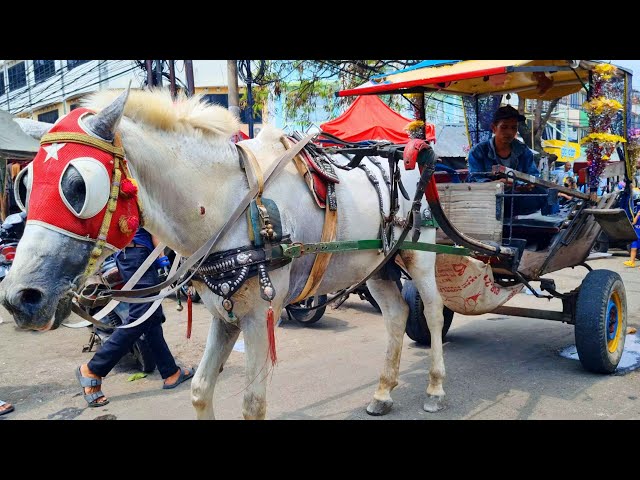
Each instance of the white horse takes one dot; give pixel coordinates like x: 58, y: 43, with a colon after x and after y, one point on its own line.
x: 189, y: 180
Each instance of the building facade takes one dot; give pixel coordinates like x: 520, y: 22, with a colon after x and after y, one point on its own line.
x: 45, y: 90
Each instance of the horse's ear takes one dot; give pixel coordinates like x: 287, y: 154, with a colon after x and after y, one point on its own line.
x: 104, y: 123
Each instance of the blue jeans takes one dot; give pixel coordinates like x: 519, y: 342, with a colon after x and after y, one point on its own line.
x: 122, y: 339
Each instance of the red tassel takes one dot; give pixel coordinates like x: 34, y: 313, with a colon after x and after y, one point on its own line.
x: 128, y: 225
x: 272, y: 334
x: 189, y: 315
x: 128, y: 188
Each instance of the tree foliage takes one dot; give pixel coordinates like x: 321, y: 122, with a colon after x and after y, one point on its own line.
x: 308, y: 85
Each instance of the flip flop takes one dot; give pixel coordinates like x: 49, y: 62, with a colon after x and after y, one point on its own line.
x: 183, y: 377
x: 91, y: 398
x: 7, y: 410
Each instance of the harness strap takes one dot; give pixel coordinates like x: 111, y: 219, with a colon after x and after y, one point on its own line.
x: 256, y: 171
x: 114, y: 148
x: 295, y: 250
x: 329, y: 231
x: 200, y: 255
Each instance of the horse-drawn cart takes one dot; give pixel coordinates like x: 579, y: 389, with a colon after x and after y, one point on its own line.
x: 509, y: 252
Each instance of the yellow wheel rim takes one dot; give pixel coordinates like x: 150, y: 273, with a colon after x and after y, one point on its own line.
x: 614, y: 322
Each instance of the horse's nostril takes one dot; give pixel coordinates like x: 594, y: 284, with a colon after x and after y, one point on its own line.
x: 30, y: 296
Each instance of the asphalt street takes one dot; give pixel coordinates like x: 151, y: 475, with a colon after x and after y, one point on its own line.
x: 498, y: 368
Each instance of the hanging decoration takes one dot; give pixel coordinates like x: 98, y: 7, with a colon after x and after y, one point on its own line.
x: 602, y: 110
x: 416, y: 129
x: 633, y: 149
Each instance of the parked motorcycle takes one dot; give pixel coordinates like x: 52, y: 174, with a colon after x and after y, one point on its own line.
x: 11, y: 231
x: 108, y: 277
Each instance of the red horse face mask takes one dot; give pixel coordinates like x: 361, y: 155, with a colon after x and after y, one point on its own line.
x: 68, y: 185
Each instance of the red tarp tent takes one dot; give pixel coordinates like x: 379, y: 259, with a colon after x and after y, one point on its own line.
x: 369, y: 118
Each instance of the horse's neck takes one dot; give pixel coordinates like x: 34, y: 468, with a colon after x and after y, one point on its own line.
x: 187, y: 186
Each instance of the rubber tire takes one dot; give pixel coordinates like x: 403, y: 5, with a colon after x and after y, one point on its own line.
x: 195, y: 296
x: 144, y: 356
x: 597, y: 288
x: 301, y: 315
x: 417, y: 328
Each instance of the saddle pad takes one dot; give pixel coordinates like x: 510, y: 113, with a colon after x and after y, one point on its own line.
x: 318, y: 174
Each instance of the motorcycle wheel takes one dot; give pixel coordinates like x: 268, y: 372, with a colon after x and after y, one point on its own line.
x: 144, y: 356
x: 300, y: 311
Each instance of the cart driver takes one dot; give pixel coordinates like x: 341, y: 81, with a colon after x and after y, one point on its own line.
x: 503, y: 148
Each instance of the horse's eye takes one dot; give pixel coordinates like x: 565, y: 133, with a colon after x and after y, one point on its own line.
x: 85, y: 186
x: 22, y: 187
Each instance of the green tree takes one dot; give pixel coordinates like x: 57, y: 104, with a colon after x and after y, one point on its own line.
x: 306, y: 84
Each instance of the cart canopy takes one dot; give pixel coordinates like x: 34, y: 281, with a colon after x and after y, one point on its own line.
x: 534, y: 79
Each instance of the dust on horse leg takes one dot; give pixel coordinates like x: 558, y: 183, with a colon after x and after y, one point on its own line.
x: 395, y: 312
x: 421, y: 267
x: 222, y: 337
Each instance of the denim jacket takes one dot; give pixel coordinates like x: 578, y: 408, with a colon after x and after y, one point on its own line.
x: 483, y: 157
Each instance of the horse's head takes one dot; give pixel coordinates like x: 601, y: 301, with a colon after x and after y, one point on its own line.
x: 77, y: 214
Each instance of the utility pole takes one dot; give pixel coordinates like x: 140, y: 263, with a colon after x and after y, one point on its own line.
x: 149, y: 74
x: 188, y: 67
x: 64, y: 98
x: 232, y: 80
x: 172, y: 78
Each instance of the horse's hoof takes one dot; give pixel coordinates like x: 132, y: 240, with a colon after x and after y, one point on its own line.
x: 379, y: 407
x: 433, y: 403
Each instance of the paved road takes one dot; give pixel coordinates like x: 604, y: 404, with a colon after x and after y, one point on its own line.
x: 497, y: 368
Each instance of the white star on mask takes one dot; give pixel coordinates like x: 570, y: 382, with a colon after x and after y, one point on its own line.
x: 52, y: 150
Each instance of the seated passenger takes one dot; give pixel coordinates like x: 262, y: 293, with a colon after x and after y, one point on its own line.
x: 504, y: 149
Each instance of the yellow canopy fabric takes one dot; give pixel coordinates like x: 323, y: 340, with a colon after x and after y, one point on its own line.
x: 535, y: 79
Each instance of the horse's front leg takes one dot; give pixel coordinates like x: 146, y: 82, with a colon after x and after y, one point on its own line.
x: 395, y: 312
x: 222, y: 337
x: 421, y: 267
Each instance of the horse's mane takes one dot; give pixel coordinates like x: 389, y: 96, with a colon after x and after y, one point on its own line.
x: 185, y: 115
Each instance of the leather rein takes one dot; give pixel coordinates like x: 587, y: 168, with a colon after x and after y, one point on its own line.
x: 133, y: 296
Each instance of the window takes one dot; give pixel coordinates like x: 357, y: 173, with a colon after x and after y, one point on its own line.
x: 43, y: 69
x: 49, y: 117
x: 221, y: 99
x: 1, y: 83
x: 17, y: 76
x: 73, y: 106
x: 74, y: 63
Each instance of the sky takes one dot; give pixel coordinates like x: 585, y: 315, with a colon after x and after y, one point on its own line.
x: 633, y: 65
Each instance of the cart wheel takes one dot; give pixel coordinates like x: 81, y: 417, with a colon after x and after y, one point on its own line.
x: 301, y: 313
x: 417, y: 328
x: 601, y: 321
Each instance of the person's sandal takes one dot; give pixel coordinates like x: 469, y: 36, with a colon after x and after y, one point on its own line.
x: 91, y: 398
x: 629, y: 263
x: 6, y: 410
x: 181, y: 378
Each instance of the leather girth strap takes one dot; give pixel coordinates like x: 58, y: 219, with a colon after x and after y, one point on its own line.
x: 329, y: 230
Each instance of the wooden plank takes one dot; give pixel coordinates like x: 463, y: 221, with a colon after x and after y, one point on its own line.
x: 471, y: 208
